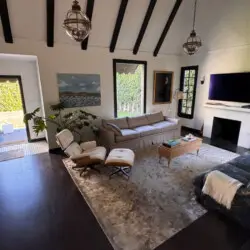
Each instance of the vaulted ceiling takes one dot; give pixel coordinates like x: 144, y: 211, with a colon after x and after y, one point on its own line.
x: 220, y: 23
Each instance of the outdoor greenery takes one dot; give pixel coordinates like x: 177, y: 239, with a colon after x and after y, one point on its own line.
x: 75, y: 121
x: 10, y: 97
x: 129, y: 92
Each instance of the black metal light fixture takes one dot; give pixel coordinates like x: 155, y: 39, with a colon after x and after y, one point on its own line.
x: 193, y: 42
x: 76, y: 23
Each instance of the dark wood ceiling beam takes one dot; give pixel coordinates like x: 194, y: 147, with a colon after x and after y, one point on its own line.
x: 167, y: 26
x: 5, y: 21
x: 89, y: 13
x: 118, y: 25
x: 144, y: 25
x: 50, y: 22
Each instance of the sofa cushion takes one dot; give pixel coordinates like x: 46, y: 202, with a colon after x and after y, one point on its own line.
x: 73, y: 149
x: 93, y: 155
x: 137, y: 121
x: 88, y: 145
x: 164, y: 126
x: 242, y: 162
x: 127, y: 134
x: 98, y: 153
x: 114, y: 128
x: 64, y: 138
x: 120, y: 157
x: 147, y: 130
x: 122, y: 123
x: 154, y: 118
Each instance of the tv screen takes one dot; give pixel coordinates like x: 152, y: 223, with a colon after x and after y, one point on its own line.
x: 234, y: 87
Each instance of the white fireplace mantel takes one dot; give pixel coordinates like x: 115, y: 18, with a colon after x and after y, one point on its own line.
x: 233, y: 113
x: 233, y: 108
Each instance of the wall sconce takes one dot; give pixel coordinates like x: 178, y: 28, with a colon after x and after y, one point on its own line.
x: 203, y: 80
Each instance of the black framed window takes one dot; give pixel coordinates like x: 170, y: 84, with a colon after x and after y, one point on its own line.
x: 15, y: 118
x: 130, y: 86
x: 188, y: 84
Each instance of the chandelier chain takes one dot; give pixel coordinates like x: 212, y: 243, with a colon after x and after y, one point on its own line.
x: 193, y: 43
x: 194, y: 19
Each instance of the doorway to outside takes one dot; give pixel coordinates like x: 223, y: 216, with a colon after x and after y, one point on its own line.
x: 12, y: 108
x: 130, y: 81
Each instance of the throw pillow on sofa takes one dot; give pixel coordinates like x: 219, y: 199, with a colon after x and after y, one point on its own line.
x: 114, y: 128
x: 154, y: 118
x: 121, y: 123
x: 137, y: 121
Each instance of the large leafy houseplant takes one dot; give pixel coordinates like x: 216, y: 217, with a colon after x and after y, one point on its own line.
x: 75, y: 121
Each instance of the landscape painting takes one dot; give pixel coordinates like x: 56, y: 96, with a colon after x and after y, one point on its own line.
x: 79, y: 90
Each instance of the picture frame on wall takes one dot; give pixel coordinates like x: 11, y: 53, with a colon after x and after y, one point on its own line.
x: 163, y: 87
x: 79, y: 90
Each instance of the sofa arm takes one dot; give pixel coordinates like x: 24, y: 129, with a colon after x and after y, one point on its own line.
x: 79, y: 157
x: 88, y: 145
x: 173, y: 120
x: 106, y: 137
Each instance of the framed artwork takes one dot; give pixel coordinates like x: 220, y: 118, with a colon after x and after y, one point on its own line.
x: 79, y: 90
x: 163, y: 84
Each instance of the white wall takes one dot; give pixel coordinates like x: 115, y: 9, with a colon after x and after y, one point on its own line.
x: 223, y: 26
x: 234, y: 59
x: 26, y: 68
x: 65, y: 58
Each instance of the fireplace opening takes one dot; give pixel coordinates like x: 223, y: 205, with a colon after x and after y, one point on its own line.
x: 225, y: 133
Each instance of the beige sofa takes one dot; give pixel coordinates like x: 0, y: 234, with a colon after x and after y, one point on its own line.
x: 138, y: 132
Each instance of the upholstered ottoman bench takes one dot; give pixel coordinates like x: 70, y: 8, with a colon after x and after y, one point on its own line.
x: 121, y: 159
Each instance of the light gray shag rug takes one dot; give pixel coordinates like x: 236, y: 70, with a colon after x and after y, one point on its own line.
x: 154, y: 204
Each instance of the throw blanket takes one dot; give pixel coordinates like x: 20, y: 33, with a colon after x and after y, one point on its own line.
x: 221, y: 187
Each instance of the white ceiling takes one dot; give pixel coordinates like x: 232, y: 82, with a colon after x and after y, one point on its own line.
x: 220, y: 23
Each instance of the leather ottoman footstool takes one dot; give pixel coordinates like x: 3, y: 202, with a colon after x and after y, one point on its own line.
x: 121, y: 159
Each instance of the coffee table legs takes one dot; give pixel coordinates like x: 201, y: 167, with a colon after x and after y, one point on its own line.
x: 168, y: 159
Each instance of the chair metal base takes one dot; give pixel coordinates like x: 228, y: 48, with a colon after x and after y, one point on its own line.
x: 85, y: 168
x: 120, y: 170
x: 92, y: 167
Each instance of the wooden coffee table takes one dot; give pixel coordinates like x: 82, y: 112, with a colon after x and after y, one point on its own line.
x: 181, y: 149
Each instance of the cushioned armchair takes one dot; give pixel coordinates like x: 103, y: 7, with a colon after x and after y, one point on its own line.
x: 86, y: 155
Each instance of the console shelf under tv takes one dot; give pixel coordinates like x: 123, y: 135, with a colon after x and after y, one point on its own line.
x: 227, y: 108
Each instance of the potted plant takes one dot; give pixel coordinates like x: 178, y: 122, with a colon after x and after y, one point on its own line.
x: 75, y: 121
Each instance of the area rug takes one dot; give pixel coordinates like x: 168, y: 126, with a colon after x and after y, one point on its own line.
x: 12, y: 154
x: 156, y: 202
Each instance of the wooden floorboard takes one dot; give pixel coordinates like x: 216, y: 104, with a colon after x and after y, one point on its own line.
x: 210, y: 232
x: 41, y: 208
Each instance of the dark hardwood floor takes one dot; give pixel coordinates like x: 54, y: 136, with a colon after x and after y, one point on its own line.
x: 210, y: 232
x: 41, y: 208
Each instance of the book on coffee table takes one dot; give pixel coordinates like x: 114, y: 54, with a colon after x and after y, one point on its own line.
x: 182, y: 148
x: 171, y: 143
x: 189, y: 137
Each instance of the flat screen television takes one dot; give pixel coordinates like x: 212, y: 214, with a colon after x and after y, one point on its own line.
x: 233, y: 87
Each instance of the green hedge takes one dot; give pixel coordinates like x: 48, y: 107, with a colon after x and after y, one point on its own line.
x: 10, y: 97
x: 129, y: 88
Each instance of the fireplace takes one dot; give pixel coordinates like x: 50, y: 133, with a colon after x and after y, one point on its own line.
x: 225, y: 133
